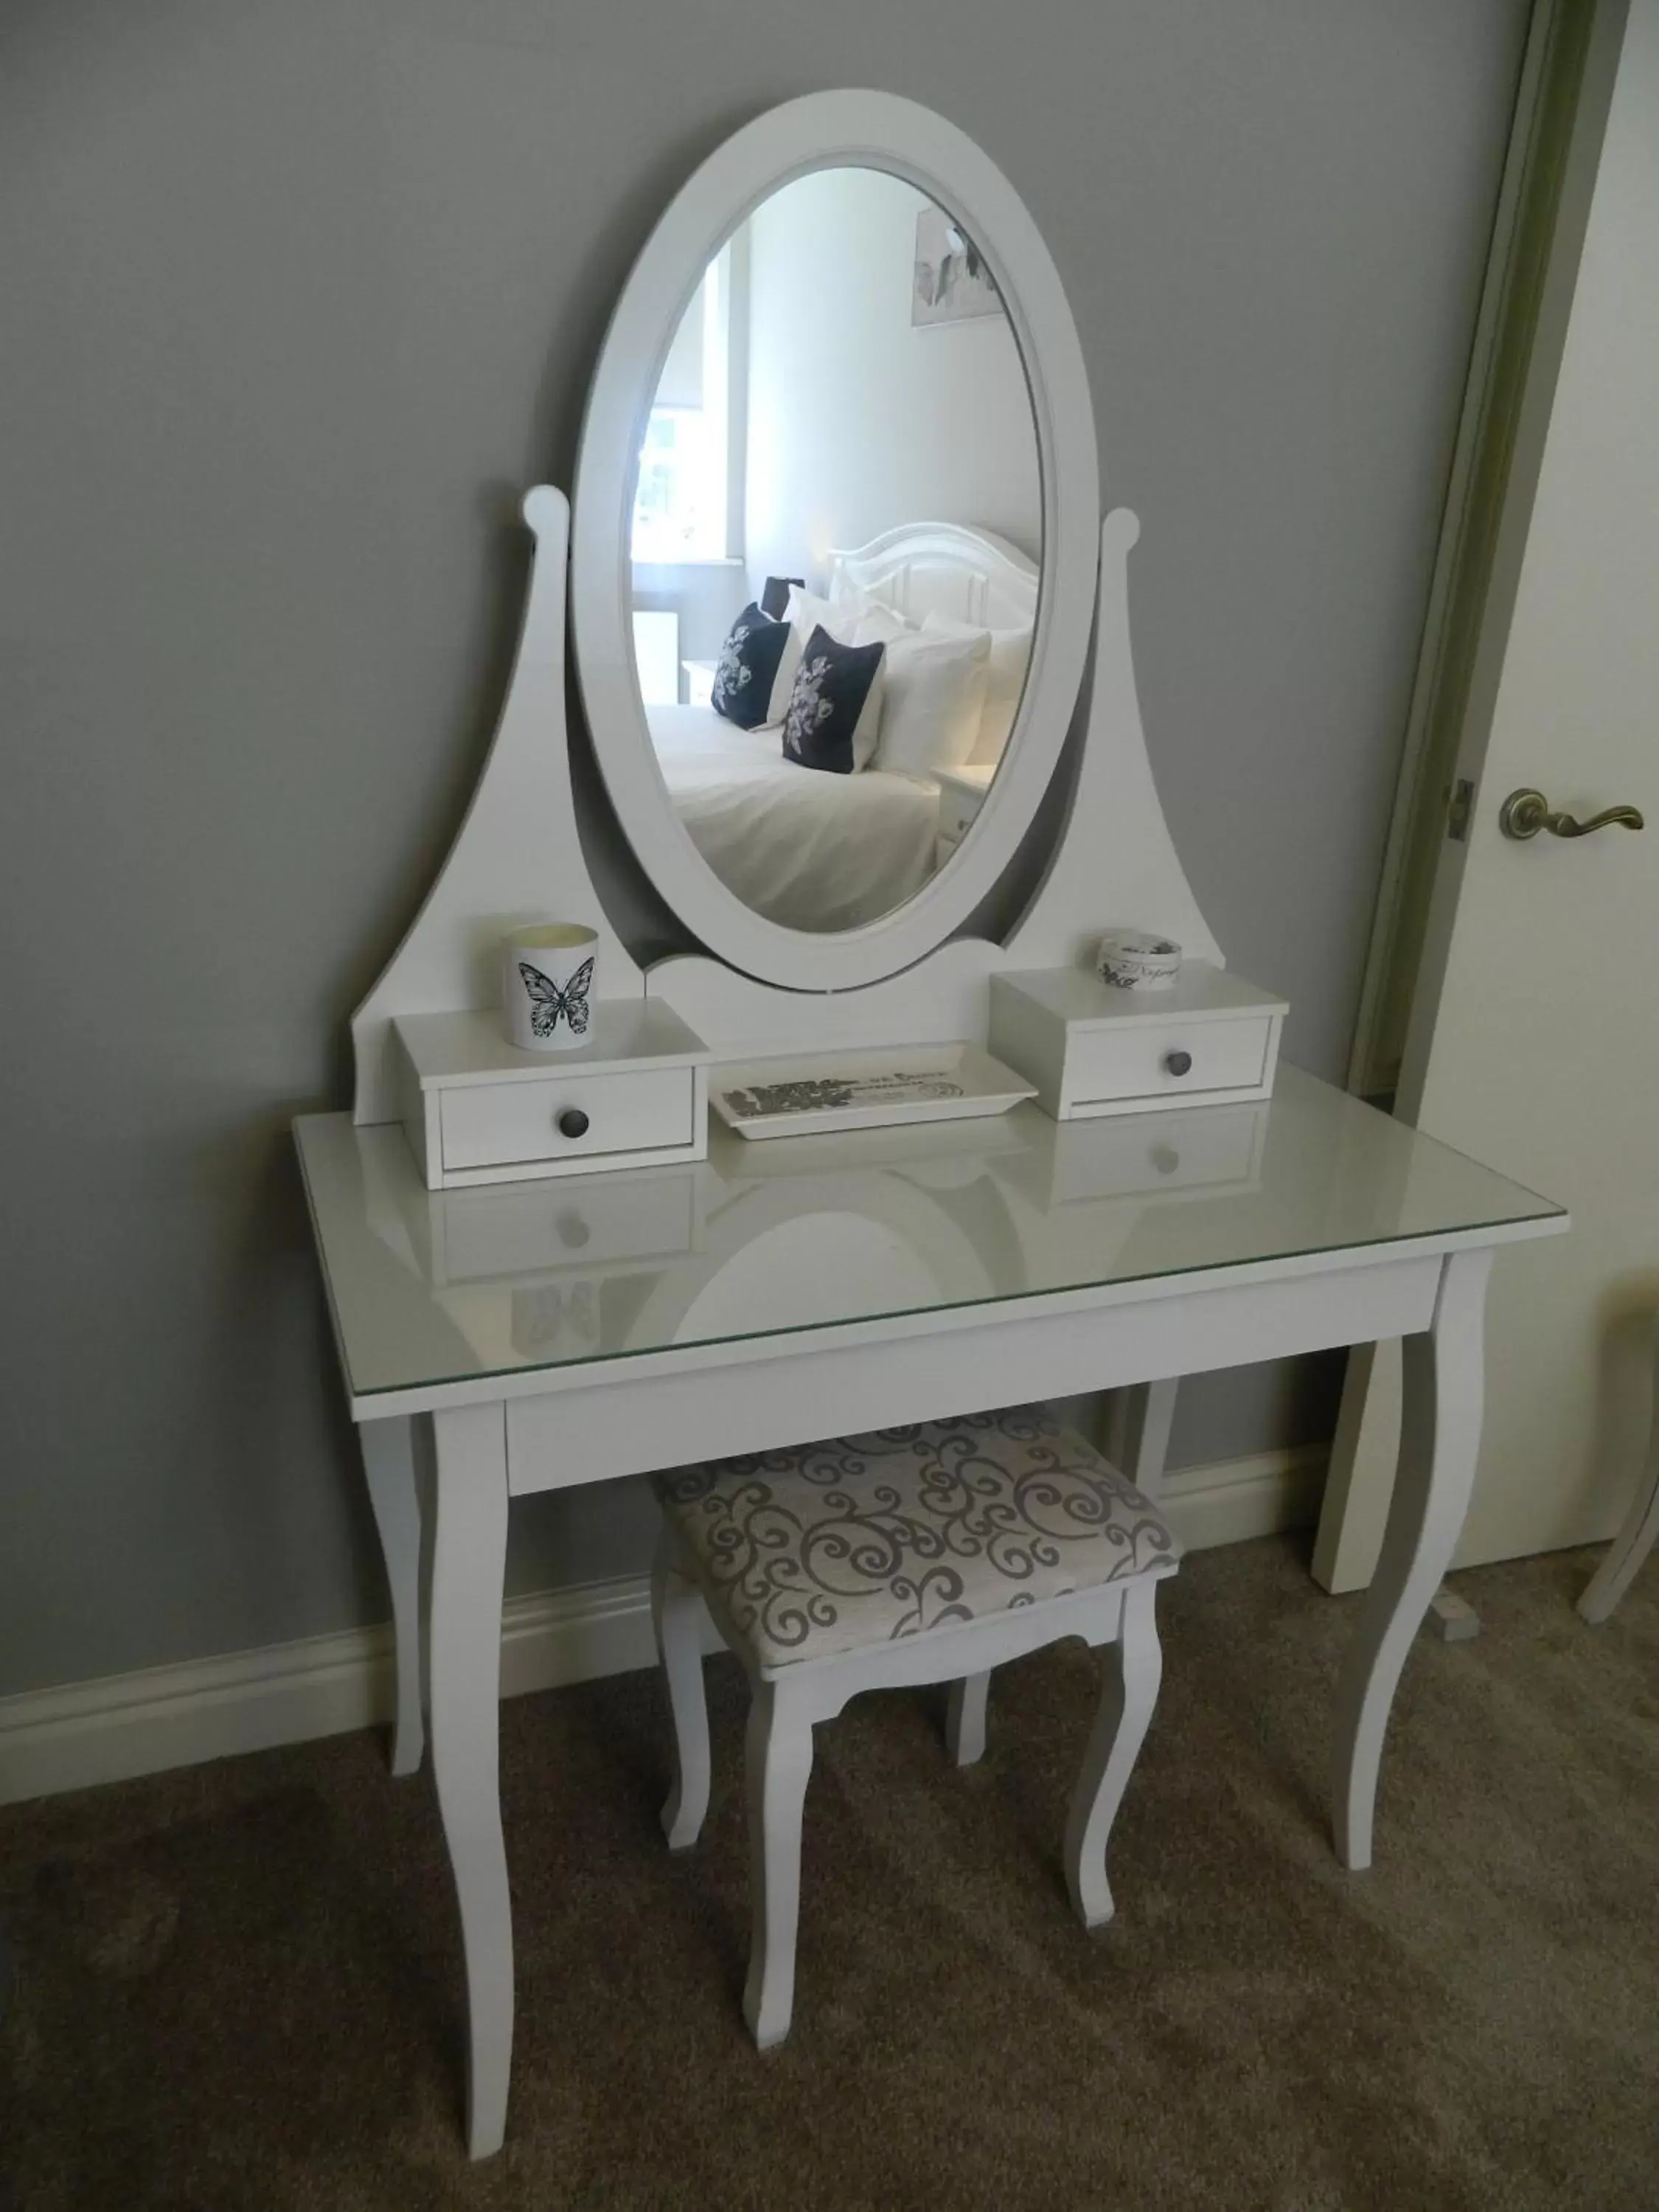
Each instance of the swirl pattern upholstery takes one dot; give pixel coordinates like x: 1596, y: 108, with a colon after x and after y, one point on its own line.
x: 833, y: 1547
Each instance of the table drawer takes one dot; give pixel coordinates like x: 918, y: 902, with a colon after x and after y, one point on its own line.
x: 488, y: 1124
x: 1132, y: 1061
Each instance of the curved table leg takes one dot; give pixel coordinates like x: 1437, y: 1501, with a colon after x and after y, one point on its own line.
x: 467, y: 1562
x: 1631, y: 1546
x: 388, y: 1449
x: 676, y: 1615
x: 1439, y: 1447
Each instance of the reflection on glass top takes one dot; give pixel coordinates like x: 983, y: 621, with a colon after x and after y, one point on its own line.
x: 764, y: 1239
x: 811, y: 652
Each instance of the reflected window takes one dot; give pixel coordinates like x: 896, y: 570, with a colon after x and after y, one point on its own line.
x: 681, y: 508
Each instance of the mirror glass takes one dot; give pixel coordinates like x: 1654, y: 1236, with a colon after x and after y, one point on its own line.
x: 837, y: 513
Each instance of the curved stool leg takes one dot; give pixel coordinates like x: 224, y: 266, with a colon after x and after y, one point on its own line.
x: 1631, y: 1546
x: 964, y: 1718
x: 1134, y: 1666
x: 778, y: 1754
x: 677, y: 1616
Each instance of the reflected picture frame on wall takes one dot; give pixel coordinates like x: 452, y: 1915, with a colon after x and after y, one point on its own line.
x: 952, y: 283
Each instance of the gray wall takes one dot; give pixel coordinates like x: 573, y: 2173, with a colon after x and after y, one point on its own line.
x: 297, y: 300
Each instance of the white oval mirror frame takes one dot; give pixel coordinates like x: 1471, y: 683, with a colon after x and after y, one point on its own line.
x: 869, y: 130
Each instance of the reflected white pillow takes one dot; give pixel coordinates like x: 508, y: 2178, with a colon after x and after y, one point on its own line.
x: 878, y: 624
x: 1005, y: 683
x: 805, y: 613
x: 932, y: 701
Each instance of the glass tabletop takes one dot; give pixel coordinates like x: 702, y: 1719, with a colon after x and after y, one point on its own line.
x: 766, y: 1238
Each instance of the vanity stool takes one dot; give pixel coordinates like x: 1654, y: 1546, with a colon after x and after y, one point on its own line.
x: 924, y: 1554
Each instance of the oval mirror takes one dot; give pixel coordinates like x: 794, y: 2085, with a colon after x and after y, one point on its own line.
x: 835, y: 551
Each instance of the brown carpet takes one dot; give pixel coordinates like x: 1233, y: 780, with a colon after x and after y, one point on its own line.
x: 236, y: 1986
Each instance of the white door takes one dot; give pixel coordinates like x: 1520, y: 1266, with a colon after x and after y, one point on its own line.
x: 1542, y: 1056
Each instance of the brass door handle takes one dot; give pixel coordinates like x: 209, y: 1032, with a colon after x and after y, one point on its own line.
x: 1524, y: 813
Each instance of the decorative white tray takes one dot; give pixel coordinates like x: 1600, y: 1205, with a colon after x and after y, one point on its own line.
x: 864, y: 1090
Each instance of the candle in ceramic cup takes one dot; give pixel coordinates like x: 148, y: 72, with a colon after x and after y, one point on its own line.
x: 547, y: 985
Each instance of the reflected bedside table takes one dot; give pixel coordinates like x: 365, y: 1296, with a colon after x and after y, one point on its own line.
x: 961, y: 795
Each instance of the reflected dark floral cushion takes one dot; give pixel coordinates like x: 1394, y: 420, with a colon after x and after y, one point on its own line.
x: 749, y: 661
x: 831, y: 685
x: 835, y: 1547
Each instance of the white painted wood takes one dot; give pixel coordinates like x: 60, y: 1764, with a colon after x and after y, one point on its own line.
x: 678, y: 1618
x: 1530, y: 1043
x: 999, y: 587
x: 1348, y: 1240
x: 1136, y: 1069
x: 388, y: 1449
x: 1636, y: 1540
x: 643, y: 1105
x: 787, y: 1701
x: 965, y: 1717
x: 777, y: 1766
x: 1115, y: 845
x: 467, y: 1562
x: 710, y: 1400
x: 1207, y: 1039
x: 1134, y: 1666
x: 941, y: 998
x: 510, y: 1124
x: 464, y: 1051
x: 824, y: 131
x: 76, y: 1735
x: 517, y: 855
x: 1440, y: 1441
x: 474, y: 1105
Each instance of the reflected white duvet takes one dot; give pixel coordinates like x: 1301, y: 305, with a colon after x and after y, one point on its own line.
x: 810, y: 850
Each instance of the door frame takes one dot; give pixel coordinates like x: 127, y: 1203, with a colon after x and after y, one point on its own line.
x: 1556, y: 137
x: 1563, y: 101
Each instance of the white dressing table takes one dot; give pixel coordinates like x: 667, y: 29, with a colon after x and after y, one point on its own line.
x: 553, y: 1323
x: 1034, y: 1260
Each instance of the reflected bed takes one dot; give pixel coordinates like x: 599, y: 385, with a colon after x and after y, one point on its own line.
x: 805, y: 849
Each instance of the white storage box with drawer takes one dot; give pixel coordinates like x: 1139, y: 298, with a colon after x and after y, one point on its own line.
x: 478, y: 1111
x: 1208, y: 1040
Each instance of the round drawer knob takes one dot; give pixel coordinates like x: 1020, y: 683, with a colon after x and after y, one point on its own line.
x: 1165, y: 1158
x: 572, y: 1232
x: 572, y: 1122
x: 1177, y: 1063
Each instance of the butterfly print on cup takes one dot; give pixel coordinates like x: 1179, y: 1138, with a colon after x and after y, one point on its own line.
x: 549, y: 1000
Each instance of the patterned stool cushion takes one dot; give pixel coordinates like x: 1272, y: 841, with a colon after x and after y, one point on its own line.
x: 835, y: 1547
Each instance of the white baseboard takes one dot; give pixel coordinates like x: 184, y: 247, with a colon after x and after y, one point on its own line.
x: 123, y: 1725
x: 1229, y: 1501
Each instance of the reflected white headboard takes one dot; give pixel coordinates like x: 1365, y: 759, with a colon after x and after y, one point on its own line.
x: 946, y: 569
